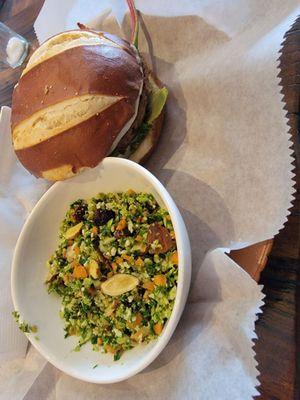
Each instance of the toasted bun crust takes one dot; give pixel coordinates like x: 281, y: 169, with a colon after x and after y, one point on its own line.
x: 75, y: 99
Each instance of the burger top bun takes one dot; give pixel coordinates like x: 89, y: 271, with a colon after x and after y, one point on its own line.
x: 77, y: 97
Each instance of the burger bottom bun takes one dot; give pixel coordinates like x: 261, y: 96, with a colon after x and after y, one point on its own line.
x: 61, y: 173
x: 146, y: 147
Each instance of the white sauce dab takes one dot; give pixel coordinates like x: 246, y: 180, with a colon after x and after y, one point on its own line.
x: 15, y: 49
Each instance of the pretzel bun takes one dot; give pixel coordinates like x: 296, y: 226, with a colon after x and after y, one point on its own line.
x: 81, y: 92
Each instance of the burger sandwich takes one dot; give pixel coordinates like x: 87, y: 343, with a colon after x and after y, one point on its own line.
x: 85, y: 95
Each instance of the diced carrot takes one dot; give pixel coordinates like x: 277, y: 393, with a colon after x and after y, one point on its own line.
x: 66, y: 278
x: 94, y: 230
x: 143, y: 248
x: 119, y: 260
x: 138, y: 319
x: 137, y: 336
x: 127, y: 258
x: 160, y: 280
x: 139, y: 262
x: 99, y: 341
x: 149, y: 285
x: 137, y: 322
x: 79, y: 272
x: 138, y: 238
x: 158, y: 328
x: 110, y: 349
x: 114, y: 266
x: 76, y: 250
x: 174, y: 258
x: 121, y: 225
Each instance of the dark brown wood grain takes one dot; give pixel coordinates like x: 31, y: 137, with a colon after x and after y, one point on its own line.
x: 276, y: 328
x: 275, y: 347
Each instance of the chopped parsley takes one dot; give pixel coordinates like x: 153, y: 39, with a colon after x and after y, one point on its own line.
x: 24, y: 326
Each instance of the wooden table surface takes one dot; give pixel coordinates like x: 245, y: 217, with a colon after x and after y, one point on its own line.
x: 276, y: 328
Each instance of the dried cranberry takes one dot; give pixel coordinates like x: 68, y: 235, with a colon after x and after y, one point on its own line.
x: 120, y: 234
x: 150, y: 208
x: 92, y: 291
x: 101, y: 217
x: 79, y: 212
x: 95, y: 242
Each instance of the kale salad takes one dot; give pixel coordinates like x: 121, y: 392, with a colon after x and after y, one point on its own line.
x: 115, y: 269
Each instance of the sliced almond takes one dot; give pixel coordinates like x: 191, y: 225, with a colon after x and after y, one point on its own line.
x: 70, y: 254
x: 72, y: 232
x: 94, y: 269
x: 140, y: 334
x: 119, y: 284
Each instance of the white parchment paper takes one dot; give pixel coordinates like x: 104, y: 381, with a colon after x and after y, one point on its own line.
x: 225, y: 157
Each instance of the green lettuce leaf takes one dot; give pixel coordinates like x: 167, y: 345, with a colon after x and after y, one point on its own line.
x: 158, y: 100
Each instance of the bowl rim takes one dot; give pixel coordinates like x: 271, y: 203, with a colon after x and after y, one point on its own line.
x: 184, y: 277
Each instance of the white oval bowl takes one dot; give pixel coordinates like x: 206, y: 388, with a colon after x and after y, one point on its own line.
x: 37, y: 242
